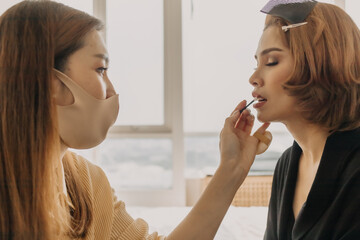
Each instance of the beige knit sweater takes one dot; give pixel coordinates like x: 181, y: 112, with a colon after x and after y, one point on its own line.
x: 110, y: 219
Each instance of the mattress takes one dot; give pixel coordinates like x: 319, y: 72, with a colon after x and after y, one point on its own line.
x: 239, y: 223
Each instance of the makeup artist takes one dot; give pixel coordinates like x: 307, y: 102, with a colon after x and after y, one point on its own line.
x: 55, y: 94
x: 308, y: 76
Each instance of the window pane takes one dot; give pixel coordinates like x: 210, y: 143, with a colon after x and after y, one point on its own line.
x: 137, y: 163
x: 352, y: 8
x: 135, y: 44
x: 218, y: 58
x: 218, y: 61
x: 203, y: 155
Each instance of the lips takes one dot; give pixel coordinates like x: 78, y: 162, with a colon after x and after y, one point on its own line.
x: 260, y: 100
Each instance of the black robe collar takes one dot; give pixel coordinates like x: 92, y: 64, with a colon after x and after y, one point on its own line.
x: 337, y: 148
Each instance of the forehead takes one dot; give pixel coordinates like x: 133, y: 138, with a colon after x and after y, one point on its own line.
x: 94, y: 43
x: 272, y: 37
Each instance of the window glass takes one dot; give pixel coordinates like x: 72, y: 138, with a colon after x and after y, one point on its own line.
x: 136, y: 48
x: 219, y: 42
x: 203, y: 155
x: 218, y: 59
x: 137, y: 163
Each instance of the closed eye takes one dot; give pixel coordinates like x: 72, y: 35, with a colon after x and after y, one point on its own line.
x: 272, y: 63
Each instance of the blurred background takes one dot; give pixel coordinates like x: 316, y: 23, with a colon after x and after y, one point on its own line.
x: 180, y: 68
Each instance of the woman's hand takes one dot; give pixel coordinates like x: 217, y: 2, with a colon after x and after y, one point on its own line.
x: 238, y: 151
x: 237, y: 146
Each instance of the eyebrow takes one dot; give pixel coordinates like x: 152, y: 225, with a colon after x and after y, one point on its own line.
x: 268, y: 50
x: 103, y: 57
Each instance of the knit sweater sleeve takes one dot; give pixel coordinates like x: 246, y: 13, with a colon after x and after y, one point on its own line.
x: 110, y: 218
x: 125, y: 227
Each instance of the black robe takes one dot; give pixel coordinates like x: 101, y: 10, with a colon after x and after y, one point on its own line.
x: 332, y: 208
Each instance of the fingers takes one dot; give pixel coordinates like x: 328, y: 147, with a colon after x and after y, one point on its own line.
x: 249, y: 123
x: 263, y: 128
x: 241, y: 105
x: 243, y: 121
x: 231, y: 121
x: 246, y: 121
x: 235, y: 114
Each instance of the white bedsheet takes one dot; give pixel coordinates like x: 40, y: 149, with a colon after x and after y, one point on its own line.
x: 245, y: 223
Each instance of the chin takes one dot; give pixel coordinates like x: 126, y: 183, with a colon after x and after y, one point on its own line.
x: 263, y: 118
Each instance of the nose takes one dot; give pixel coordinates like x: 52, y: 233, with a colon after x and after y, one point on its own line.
x: 110, y: 90
x: 255, y: 80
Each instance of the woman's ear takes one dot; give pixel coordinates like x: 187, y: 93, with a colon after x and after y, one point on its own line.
x: 61, y: 93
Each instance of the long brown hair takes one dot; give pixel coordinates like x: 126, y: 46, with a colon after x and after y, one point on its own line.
x: 326, y: 74
x: 35, y: 37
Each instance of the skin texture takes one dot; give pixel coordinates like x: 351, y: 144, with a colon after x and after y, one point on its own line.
x: 87, y: 67
x: 274, y: 66
x: 274, y: 69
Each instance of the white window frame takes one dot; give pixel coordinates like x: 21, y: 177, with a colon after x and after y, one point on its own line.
x: 173, y: 112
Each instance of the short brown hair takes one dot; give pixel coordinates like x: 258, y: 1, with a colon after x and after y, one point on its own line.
x: 326, y: 75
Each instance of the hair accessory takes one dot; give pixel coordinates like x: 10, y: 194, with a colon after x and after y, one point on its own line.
x: 293, y: 11
x: 287, y: 27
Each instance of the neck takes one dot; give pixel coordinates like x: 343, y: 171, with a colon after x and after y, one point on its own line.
x: 311, y: 138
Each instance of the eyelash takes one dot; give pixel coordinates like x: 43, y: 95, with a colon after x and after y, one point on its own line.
x: 272, y: 63
x: 268, y: 64
x: 101, y: 70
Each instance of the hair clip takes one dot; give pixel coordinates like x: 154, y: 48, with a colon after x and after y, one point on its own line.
x: 293, y: 11
x: 287, y: 27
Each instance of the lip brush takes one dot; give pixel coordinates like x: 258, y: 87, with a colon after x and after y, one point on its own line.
x: 248, y: 105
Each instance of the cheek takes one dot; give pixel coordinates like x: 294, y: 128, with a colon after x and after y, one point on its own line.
x: 98, y: 87
x: 94, y: 85
x: 282, y: 75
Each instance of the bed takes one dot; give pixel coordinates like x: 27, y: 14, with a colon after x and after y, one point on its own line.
x: 245, y: 223
x: 245, y: 219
